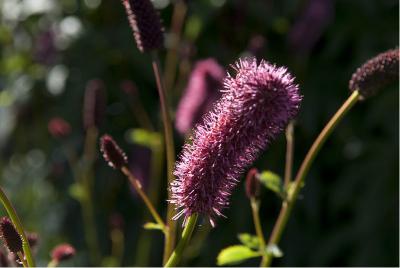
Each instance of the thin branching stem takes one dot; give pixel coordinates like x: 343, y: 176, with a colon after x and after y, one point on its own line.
x: 255, y: 207
x: 186, y: 235
x: 289, y: 153
x: 303, y: 171
x: 177, y: 22
x: 138, y: 187
x: 170, y: 150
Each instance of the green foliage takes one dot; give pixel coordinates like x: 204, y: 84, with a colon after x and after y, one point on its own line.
x: 272, y: 181
x: 144, y: 137
x: 364, y: 146
x: 249, y: 240
x: 77, y: 191
x: 235, y: 255
x: 152, y: 226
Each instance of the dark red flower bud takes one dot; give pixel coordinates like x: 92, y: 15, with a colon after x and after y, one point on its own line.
x: 11, y: 238
x: 63, y: 252
x: 94, y: 104
x: 112, y: 153
x: 129, y: 87
x: 252, y: 183
x: 58, y: 127
x: 33, y: 239
x: 117, y: 221
x: 376, y: 73
x: 145, y: 23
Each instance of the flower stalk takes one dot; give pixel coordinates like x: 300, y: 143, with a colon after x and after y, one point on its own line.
x: 303, y: 171
x: 289, y: 153
x: 170, y: 150
x: 186, y: 235
x: 138, y: 187
x: 255, y: 207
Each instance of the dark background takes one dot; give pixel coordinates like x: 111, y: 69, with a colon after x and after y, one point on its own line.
x: 348, y: 211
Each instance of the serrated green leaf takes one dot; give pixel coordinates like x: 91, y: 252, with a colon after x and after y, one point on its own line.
x: 235, y: 255
x: 144, y: 137
x: 152, y: 226
x: 274, y: 250
x: 272, y: 181
x: 249, y: 240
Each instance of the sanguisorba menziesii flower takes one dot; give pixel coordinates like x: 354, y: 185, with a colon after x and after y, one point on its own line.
x: 62, y: 252
x: 11, y: 238
x: 145, y: 23
x: 112, y: 153
x: 376, y: 73
x: 256, y: 105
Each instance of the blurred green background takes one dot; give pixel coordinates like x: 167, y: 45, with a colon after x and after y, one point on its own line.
x: 348, y: 214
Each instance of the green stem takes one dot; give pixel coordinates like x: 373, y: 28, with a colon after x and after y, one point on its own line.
x: 117, y: 245
x: 178, y: 17
x: 85, y: 180
x: 289, y: 153
x: 304, y: 168
x: 186, y: 235
x: 138, y: 187
x: 52, y: 263
x: 17, y: 223
x: 257, y: 225
x: 170, y: 150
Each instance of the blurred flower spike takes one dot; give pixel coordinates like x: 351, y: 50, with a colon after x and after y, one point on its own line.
x: 58, y: 127
x: 201, y: 92
x: 63, y: 252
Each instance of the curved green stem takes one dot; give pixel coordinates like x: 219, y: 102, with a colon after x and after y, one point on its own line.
x: 257, y: 225
x: 171, y: 60
x: 186, y: 235
x: 52, y: 263
x: 289, y: 153
x: 17, y: 223
x: 304, y: 168
x: 86, y: 180
x: 170, y: 235
x: 138, y: 187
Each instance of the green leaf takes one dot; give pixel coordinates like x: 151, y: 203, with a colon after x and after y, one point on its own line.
x: 109, y: 261
x: 274, y: 250
x: 194, y: 25
x: 152, y: 226
x: 235, y: 255
x: 77, y: 191
x: 249, y: 240
x: 144, y: 137
x: 272, y: 181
